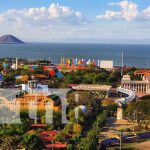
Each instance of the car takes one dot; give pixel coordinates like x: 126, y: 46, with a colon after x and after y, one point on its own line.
x: 111, y: 142
x: 130, y: 138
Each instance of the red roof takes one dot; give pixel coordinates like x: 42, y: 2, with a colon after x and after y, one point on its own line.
x: 54, y: 132
x: 39, y: 125
x: 142, y: 71
x: 47, y: 138
x: 56, y: 145
x: 48, y: 135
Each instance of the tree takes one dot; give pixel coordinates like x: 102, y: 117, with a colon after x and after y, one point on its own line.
x: 9, y: 141
x: 80, y: 119
x: 101, y: 77
x: 110, y: 104
x: 9, y: 137
x: 31, y: 141
x: 114, y: 77
x: 91, y: 140
x: 140, y: 112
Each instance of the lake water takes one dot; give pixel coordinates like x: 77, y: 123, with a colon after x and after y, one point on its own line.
x: 134, y: 54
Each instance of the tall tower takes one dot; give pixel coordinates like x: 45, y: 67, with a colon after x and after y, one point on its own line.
x: 16, y: 63
x: 98, y: 62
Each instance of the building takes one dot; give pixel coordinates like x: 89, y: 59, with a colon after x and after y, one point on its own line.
x: 32, y: 101
x: 142, y: 73
x: 32, y: 96
x: 91, y: 87
x: 34, y: 87
x: 106, y: 64
x: 142, y: 86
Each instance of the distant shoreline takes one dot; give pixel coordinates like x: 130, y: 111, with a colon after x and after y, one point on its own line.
x: 12, y: 43
x: 76, y: 43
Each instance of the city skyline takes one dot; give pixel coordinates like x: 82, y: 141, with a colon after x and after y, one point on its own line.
x: 108, y: 21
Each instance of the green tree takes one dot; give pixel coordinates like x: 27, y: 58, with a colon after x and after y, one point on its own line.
x: 139, y: 112
x: 31, y: 141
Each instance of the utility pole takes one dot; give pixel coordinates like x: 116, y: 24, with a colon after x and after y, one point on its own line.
x: 52, y: 145
x: 49, y: 61
x: 120, y: 141
x: 122, y: 64
x: 16, y: 63
x: 147, y: 64
x: 134, y: 118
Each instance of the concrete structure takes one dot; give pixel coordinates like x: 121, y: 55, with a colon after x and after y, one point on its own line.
x: 119, y: 113
x: 137, y: 86
x: 130, y: 96
x: 106, y: 64
x: 92, y: 87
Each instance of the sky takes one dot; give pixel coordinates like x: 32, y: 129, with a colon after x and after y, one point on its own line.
x: 92, y: 21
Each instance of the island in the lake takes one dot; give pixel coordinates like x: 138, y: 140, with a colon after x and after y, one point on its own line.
x: 10, y: 39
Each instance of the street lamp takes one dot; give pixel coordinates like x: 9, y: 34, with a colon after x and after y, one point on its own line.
x: 120, y: 141
x: 52, y: 145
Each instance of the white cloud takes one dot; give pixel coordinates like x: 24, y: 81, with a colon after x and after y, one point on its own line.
x: 129, y: 11
x: 42, y: 16
x: 110, y: 15
x: 145, y: 14
x: 61, y: 23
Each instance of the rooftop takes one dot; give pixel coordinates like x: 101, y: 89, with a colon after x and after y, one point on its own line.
x: 56, y: 145
x: 71, y: 67
x: 93, y: 87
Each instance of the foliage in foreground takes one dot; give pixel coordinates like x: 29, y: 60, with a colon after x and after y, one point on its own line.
x: 90, y: 142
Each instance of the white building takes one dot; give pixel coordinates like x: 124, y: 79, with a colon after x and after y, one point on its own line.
x: 33, y: 86
x: 137, y: 86
x: 106, y: 64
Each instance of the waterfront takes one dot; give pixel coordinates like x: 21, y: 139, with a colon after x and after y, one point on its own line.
x: 134, y: 54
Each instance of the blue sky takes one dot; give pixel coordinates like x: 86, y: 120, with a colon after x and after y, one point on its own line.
x: 91, y: 7
x: 110, y: 21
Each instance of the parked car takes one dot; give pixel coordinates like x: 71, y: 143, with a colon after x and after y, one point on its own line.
x: 111, y: 142
x: 144, y: 135
x: 130, y: 138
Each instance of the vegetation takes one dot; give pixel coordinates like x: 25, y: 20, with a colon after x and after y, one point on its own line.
x: 19, y: 136
x: 139, y: 111
x: 92, y: 76
x: 83, y: 132
x: 91, y: 140
x: 125, y: 130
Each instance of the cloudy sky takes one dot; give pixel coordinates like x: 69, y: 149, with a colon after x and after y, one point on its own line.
x: 104, y: 21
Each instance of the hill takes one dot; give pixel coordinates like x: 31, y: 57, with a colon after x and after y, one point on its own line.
x: 10, y: 39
